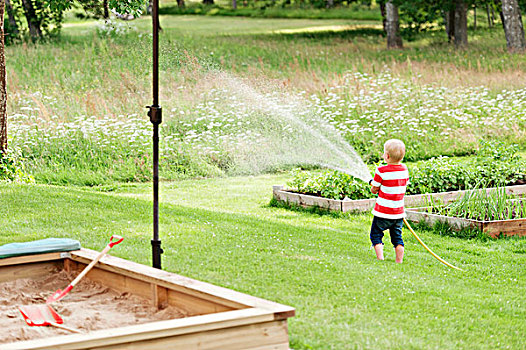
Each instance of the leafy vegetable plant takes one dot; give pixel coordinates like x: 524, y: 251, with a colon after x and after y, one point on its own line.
x: 483, y: 205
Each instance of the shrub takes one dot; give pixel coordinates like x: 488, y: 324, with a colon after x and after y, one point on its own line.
x: 12, y: 167
x: 496, y: 164
x: 329, y: 184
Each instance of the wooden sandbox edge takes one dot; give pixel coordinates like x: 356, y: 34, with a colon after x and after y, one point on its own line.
x: 149, y: 331
x: 24, y: 259
x: 183, y: 284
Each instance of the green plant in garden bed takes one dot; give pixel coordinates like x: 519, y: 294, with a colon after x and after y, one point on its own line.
x: 482, y: 205
x: 496, y: 164
x: 329, y: 184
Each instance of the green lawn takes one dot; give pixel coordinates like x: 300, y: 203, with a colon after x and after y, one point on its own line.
x: 222, y: 231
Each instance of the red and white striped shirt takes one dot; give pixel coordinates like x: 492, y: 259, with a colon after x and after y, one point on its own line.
x: 392, y: 180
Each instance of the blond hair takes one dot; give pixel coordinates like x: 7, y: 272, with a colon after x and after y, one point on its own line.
x: 395, y: 149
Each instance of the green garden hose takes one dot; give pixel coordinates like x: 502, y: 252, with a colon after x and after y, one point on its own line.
x: 429, y: 250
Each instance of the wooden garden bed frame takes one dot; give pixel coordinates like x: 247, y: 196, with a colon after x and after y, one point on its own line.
x: 364, y: 205
x: 494, y: 228
x: 219, y: 318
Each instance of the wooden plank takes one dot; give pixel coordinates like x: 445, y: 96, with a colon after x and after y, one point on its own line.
x: 358, y: 205
x: 114, y: 281
x: 159, y: 296
x: 147, y: 331
x: 492, y: 228
x: 515, y: 227
x: 261, y: 336
x: 363, y: 205
x: 193, y: 305
x: 70, y: 266
x: 185, y: 285
x: 430, y: 219
x: 31, y: 258
x: 28, y: 270
x: 306, y: 200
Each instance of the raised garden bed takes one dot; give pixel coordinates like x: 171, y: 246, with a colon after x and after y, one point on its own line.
x: 202, y: 316
x: 363, y: 205
x: 493, y: 228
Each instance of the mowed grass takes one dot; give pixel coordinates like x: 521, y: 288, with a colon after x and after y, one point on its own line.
x: 222, y: 231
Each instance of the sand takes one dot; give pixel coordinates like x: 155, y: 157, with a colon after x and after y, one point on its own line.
x: 89, y: 306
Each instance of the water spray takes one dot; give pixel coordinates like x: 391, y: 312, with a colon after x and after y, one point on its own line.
x: 425, y: 246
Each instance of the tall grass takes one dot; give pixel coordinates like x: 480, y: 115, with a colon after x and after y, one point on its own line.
x: 339, y: 68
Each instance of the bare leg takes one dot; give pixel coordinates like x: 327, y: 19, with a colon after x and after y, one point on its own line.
x: 399, y: 250
x: 379, y: 250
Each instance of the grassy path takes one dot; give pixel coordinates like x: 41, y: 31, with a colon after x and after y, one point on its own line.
x: 223, y: 232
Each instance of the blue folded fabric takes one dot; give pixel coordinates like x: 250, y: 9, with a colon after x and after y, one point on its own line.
x: 48, y: 245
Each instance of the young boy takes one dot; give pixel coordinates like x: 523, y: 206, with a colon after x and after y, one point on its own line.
x: 389, y: 183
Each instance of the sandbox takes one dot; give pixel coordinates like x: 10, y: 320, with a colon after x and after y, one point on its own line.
x: 125, y: 305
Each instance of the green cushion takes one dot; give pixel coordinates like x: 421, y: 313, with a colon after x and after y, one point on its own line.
x: 48, y: 245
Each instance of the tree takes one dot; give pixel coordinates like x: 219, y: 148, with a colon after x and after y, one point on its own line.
x: 392, y: 26
x: 130, y: 6
x: 3, y: 93
x: 512, y: 22
x: 12, y: 24
x: 383, y: 14
x: 450, y: 24
x: 32, y: 20
x: 461, y: 23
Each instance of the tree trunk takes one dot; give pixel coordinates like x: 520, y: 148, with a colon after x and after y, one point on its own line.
x: 149, y: 8
x: 474, y: 16
x: 13, y: 27
x: 490, y: 23
x: 180, y: 3
x: 392, y: 25
x: 450, y: 25
x: 32, y: 20
x: 492, y: 15
x: 330, y: 4
x: 106, y: 9
x: 234, y: 4
x: 208, y: 2
x: 384, y: 15
x: 512, y: 22
x: 461, y: 24
x: 3, y: 91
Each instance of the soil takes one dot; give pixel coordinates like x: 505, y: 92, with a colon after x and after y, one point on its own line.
x: 89, y: 306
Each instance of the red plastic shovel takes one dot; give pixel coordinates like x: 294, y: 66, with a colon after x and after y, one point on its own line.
x: 43, y: 315
x: 59, y: 294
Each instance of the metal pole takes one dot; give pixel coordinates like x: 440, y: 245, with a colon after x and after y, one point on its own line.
x: 155, y: 114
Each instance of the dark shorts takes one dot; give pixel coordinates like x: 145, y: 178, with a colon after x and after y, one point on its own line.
x: 394, y: 226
